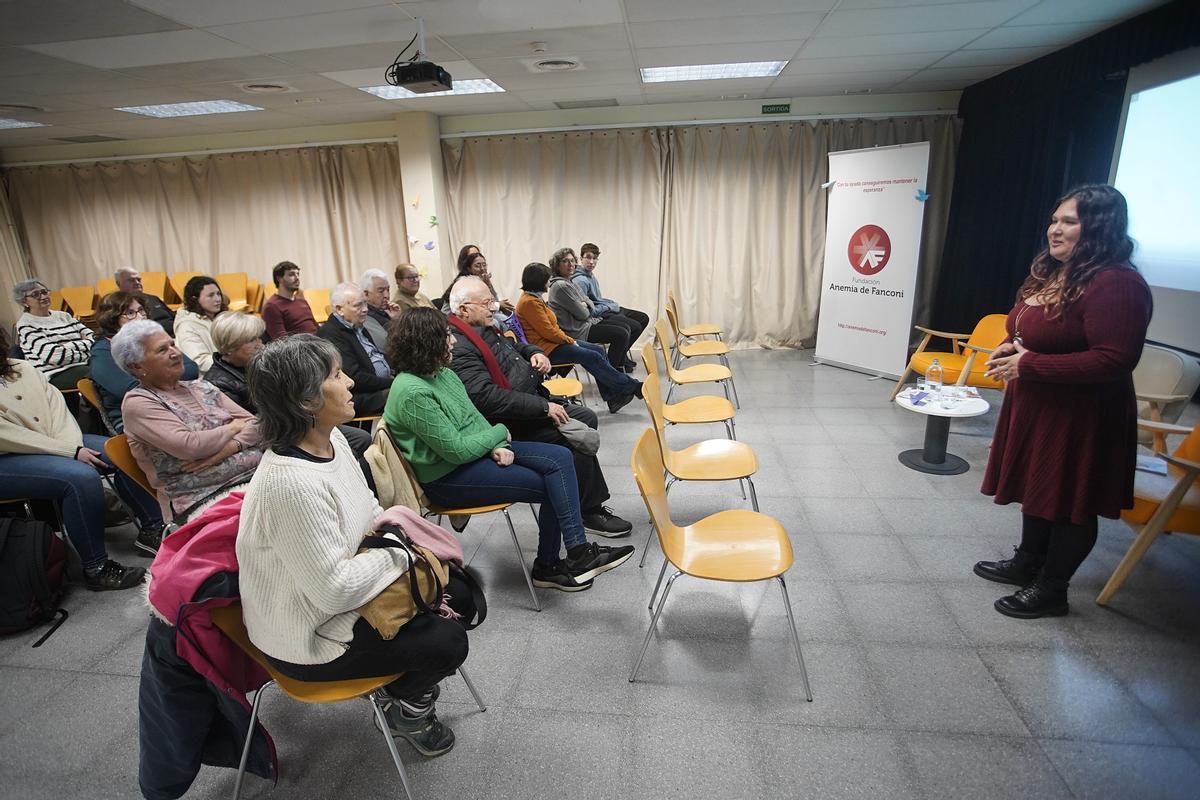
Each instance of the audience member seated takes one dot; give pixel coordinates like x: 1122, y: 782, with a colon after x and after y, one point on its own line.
x: 541, y: 325
x: 286, y: 312
x: 460, y: 459
x: 380, y: 308
x: 203, y: 301
x: 609, y: 310
x: 408, y: 288
x: 301, y: 576
x: 579, y: 318
x: 52, y: 341
x: 129, y: 280
x: 365, y: 363
x: 504, y: 381
x: 43, y: 455
x: 238, y: 338
x: 111, y: 381
x: 194, y: 443
x: 473, y: 262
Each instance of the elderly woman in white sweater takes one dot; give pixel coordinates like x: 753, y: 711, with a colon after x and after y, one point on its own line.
x: 53, y: 341
x: 301, y: 576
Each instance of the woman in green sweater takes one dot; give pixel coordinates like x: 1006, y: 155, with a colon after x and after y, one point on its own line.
x: 462, y: 460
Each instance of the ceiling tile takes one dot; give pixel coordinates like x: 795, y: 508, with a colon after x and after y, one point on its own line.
x: 33, y: 21
x: 837, y: 46
x: 293, y: 102
x: 248, y: 121
x: 704, y: 54
x: 156, y: 95
x: 627, y: 79
x: 656, y: 10
x: 1006, y: 57
x: 83, y: 79
x: 55, y: 103
x: 22, y: 137
x: 501, y: 68
x: 463, y: 104
x: 361, y: 26
x: 226, y: 12
x: 1058, y: 11
x: 809, y: 85
x: 144, y: 49
x: 19, y: 61
x: 222, y: 69
x: 710, y: 89
x: 359, y: 56
x: 829, y: 66
x: 767, y: 28
x: 343, y: 114
x: 1035, y: 35
x: 358, y: 78
x: 565, y: 41
x: 920, y: 19
x: 967, y: 75
x: 149, y: 128
x: 896, y: 3
x: 86, y: 117
x: 551, y: 93
x: 457, y: 17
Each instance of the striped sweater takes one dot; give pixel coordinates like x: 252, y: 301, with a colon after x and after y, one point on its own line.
x: 55, y: 342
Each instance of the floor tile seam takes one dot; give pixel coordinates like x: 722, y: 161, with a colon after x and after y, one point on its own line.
x: 941, y: 601
x: 1005, y: 692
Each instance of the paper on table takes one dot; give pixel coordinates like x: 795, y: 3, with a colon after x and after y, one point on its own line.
x: 1152, y: 464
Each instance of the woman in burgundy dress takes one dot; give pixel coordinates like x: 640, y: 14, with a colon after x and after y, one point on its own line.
x: 1066, y: 438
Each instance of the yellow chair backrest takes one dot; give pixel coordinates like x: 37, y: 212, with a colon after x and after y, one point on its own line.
x: 652, y: 394
x: 155, y: 283
x: 989, y: 332
x: 233, y: 286
x: 1189, y: 448
x: 80, y: 300
x: 117, y: 448
x: 88, y: 389
x: 56, y: 300
x: 648, y: 468
x: 648, y: 358
x: 178, y: 282
x: 318, y: 301
x: 105, y: 286
x: 663, y: 336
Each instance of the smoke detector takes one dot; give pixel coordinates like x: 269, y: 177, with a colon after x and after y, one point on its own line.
x: 556, y: 64
x: 263, y: 87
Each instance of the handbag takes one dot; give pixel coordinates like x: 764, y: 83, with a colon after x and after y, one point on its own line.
x: 419, y: 590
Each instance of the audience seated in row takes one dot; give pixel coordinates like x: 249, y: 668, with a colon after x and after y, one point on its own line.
x: 473, y: 262
x: 54, y: 342
x: 203, y: 301
x: 380, y: 309
x: 609, y: 311
x: 43, y: 455
x: 286, y: 312
x: 580, y: 318
x: 363, y: 362
x: 408, y: 288
x: 129, y: 280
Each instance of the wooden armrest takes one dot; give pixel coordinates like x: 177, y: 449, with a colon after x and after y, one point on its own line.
x: 1161, y: 427
x: 942, y: 334
x: 1182, y: 463
x: 988, y: 350
x: 1161, y: 398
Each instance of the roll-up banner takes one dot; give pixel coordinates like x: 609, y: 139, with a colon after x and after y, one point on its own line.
x: 872, y: 241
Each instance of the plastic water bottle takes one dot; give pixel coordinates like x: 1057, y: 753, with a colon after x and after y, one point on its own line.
x: 933, y: 378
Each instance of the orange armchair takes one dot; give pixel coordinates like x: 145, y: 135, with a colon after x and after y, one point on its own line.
x: 963, y: 366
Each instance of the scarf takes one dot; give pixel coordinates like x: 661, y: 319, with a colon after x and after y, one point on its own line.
x: 489, y: 359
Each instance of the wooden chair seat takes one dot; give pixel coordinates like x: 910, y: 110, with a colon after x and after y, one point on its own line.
x: 712, y: 460
x: 563, y: 387
x: 733, y: 545
x: 704, y: 347
x: 698, y: 410
x: 700, y: 373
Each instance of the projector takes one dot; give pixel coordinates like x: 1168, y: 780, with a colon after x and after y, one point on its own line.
x: 420, y: 77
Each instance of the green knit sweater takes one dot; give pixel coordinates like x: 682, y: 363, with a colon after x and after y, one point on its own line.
x: 435, y: 425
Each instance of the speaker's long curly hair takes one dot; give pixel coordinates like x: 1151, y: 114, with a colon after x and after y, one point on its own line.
x: 1103, y: 242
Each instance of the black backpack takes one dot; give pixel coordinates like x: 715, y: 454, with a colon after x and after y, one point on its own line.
x: 33, y: 563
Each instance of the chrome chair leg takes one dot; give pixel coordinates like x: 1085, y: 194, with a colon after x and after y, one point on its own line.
x: 646, y: 546
x: 670, y: 392
x: 471, y: 688
x: 733, y: 385
x: 787, y: 605
x: 657, y: 583
x: 241, y: 773
x: 729, y: 429
x: 381, y: 720
x: 653, y: 622
x: 753, y: 494
x: 521, y: 560
x: 742, y: 487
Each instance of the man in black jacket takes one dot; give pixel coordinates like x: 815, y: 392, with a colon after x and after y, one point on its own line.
x: 129, y: 280
x: 361, y: 359
x: 525, y: 406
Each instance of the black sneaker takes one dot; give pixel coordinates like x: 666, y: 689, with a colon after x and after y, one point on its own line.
x: 557, y: 576
x: 113, y: 576
x: 586, y: 561
x: 149, y: 539
x: 603, y: 522
x: 426, y: 733
x: 630, y: 365
x: 619, y: 402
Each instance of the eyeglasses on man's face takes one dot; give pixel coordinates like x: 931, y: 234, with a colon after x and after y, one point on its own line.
x: 411, y: 278
x: 493, y: 304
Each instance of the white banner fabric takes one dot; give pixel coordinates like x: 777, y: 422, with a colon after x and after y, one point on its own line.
x: 872, y: 241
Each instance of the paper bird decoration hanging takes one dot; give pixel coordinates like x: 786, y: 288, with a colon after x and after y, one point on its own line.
x: 433, y: 221
x: 429, y: 245
x: 416, y: 201
x: 922, y: 195
x: 414, y: 240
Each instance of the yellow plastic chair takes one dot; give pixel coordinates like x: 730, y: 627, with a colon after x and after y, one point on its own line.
x: 1168, y: 502
x: 105, y: 286
x: 964, y: 366
x: 155, y: 283
x: 229, y: 621
x: 234, y: 287
x: 688, y: 376
x: 698, y: 410
x: 117, y: 448
x: 565, y: 388
x: 318, y: 301
x: 79, y: 300
x: 697, y: 349
x: 696, y: 329
x: 178, y: 282
x: 734, y: 546
x: 56, y: 300
x: 87, y: 388
x: 254, y: 296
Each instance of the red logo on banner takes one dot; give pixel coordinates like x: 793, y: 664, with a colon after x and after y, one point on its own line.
x: 869, y: 250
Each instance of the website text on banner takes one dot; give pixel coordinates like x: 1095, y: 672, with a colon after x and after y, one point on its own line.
x: 872, y: 241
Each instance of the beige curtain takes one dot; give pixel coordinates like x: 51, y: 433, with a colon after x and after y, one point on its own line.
x: 335, y: 211
x: 13, y: 269
x: 520, y: 198
x: 731, y: 217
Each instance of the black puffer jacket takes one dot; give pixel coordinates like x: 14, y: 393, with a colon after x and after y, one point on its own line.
x: 526, y: 400
x: 232, y: 381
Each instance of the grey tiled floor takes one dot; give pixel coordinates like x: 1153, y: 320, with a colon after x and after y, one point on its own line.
x: 921, y: 689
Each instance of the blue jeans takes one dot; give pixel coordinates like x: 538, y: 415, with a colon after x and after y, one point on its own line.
x: 540, y: 473
x: 78, y: 487
x: 609, y: 380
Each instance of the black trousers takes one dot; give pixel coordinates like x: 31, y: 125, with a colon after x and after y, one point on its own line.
x: 593, y: 490
x: 426, y: 650
x: 639, y: 319
x: 615, y: 331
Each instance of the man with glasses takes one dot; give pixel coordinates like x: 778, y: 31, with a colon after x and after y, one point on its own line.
x: 408, y: 285
x: 362, y: 361
x: 504, y: 381
x: 129, y: 280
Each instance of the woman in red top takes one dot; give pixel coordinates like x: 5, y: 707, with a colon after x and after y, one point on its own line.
x: 1066, y: 439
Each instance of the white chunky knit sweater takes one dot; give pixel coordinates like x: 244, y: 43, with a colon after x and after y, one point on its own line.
x: 301, y: 525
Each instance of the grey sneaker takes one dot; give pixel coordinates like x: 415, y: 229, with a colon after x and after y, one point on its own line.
x: 425, y: 733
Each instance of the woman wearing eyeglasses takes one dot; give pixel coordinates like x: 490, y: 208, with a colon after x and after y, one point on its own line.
x: 54, y: 342
x: 111, y: 381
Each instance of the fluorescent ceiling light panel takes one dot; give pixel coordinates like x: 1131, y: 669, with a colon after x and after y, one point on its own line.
x: 713, y: 72
x: 19, y: 123
x: 471, y: 86
x: 190, y: 109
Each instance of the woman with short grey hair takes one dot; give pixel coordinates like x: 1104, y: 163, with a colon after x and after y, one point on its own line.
x: 301, y: 573
x: 194, y: 443
x: 54, y: 342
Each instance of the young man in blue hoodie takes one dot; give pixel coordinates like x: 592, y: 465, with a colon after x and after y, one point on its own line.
x: 610, y: 311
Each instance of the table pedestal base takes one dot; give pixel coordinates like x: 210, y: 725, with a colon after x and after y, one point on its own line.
x: 934, y: 459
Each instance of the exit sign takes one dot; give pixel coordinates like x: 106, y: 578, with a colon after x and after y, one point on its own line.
x: 777, y: 108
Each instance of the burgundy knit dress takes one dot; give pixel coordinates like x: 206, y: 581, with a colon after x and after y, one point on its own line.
x: 1066, y: 439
